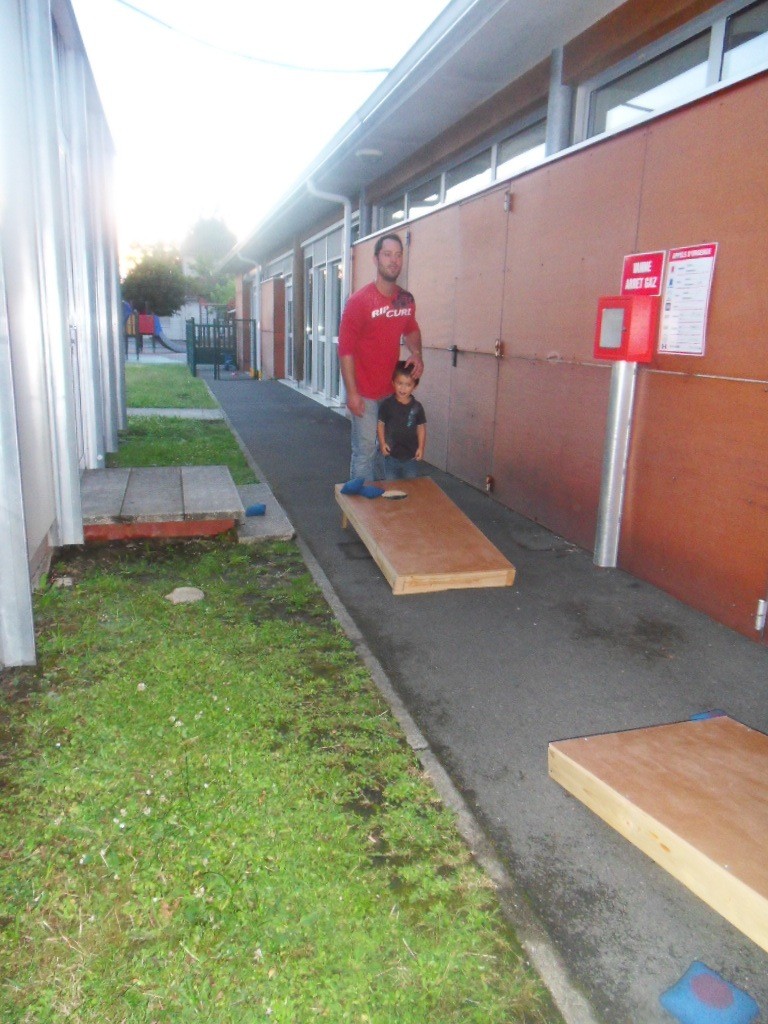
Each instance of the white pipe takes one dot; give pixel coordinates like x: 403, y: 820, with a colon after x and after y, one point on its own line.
x: 618, y: 428
x: 346, y: 242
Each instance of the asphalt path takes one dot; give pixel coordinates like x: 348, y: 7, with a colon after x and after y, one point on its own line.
x: 491, y: 676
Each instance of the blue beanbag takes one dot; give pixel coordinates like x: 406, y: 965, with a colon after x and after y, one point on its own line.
x: 256, y: 510
x: 353, y: 486
x: 703, y: 997
x: 359, y: 486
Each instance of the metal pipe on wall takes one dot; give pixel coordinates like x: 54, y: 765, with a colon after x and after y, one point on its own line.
x: 616, y: 451
x: 346, y: 241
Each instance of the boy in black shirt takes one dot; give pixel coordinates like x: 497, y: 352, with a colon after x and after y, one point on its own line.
x: 402, y: 427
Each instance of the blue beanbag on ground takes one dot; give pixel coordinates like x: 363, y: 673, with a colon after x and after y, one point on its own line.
x: 256, y: 510
x: 703, y: 997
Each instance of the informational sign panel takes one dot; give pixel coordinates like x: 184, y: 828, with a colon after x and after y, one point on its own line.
x: 643, y: 273
x: 686, y: 299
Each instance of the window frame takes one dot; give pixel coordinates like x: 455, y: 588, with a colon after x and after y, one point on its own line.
x: 492, y: 142
x: 713, y: 21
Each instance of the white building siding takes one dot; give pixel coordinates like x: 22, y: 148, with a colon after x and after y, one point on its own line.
x: 61, y: 396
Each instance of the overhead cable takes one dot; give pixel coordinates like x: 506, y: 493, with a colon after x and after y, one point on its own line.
x: 251, y: 57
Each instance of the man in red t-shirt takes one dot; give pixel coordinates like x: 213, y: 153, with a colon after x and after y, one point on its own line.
x: 375, y: 321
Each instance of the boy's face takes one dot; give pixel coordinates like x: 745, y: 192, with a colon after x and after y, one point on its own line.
x: 403, y: 384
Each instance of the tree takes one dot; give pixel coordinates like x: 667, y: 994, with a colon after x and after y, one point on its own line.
x: 204, y: 248
x: 157, y: 283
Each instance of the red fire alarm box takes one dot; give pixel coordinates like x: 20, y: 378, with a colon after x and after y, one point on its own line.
x: 627, y: 326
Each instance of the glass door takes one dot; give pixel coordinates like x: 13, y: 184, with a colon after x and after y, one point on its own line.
x: 306, y: 378
x: 334, y: 373
x: 290, y: 361
x: 319, y: 333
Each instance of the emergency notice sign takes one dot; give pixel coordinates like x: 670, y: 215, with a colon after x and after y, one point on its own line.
x: 686, y: 299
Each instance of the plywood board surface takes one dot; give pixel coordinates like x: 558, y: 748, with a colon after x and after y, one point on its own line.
x: 423, y: 542
x: 693, y: 796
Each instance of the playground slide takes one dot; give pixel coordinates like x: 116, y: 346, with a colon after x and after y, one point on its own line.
x: 149, y: 326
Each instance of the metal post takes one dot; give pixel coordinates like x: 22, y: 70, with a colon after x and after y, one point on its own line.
x: 559, y: 104
x: 618, y: 428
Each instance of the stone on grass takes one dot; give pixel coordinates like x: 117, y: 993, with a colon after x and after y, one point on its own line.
x: 185, y: 595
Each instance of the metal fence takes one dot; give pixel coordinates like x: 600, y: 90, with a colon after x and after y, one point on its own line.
x: 217, y: 344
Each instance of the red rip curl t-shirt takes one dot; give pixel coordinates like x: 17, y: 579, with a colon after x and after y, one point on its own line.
x: 370, y: 331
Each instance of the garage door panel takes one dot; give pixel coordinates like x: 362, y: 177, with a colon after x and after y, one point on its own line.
x: 472, y: 412
x: 479, y: 272
x: 433, y: 255
x: 434, y: 394
x: 697, y: 190
x: 697, y: 494
x: 548, y: 445
x: 556, y: 270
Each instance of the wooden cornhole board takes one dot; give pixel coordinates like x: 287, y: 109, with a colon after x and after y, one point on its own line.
x: 694, y: 797
x: 423, y: 542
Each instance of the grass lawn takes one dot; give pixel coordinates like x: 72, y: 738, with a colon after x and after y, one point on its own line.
x: 158, y: 386
x: 171, y: 441
x: 209, y: 814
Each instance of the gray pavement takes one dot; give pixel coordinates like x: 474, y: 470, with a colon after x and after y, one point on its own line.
x: 490, y: 677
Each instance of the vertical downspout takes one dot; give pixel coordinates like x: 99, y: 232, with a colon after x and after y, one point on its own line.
x: 346, y: 250
x: 255, y: 343
x: 619, y: 424
x: 346, y: 242
x: 559, y: 105
x: 255, y: 285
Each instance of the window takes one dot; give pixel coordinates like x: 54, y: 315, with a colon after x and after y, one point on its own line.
x: 468, y: 177
x: 515, y: 153
x: 729, y: 42
x: 746, y: 41
x: 672, y: 78
x: 424, y: 198
x: 392, y: 213
x: 520, y: 151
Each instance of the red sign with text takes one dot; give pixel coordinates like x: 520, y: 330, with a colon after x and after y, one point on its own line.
x: 643, y: 273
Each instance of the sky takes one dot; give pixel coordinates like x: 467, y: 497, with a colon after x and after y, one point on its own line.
x: 202, y: 132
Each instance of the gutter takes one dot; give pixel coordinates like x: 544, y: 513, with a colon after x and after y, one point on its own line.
x: 346, y: 242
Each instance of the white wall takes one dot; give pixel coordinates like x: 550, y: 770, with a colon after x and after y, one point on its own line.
x: 60, y: 359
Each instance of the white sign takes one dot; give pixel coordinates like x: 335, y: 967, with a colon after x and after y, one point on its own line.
x: 685, y: 301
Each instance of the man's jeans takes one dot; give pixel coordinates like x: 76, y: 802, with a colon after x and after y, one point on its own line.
x: 366, y: 459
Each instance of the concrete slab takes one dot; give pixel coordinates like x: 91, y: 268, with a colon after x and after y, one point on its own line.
x: 160, y: 494
x: 181, y: 414
x: 102, y: 492
x: 273, y: 525
x: 153, y: 495
x: 208, y: 492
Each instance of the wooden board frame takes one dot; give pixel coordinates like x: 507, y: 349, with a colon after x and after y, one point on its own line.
x: 423, y: 542
x: 694, y: 797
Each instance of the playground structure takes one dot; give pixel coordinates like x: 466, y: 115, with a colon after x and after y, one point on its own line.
x: 146, y: 325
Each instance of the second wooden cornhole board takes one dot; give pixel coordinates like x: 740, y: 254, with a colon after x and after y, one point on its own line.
x: 423, y: 542
x: 694, y: 797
